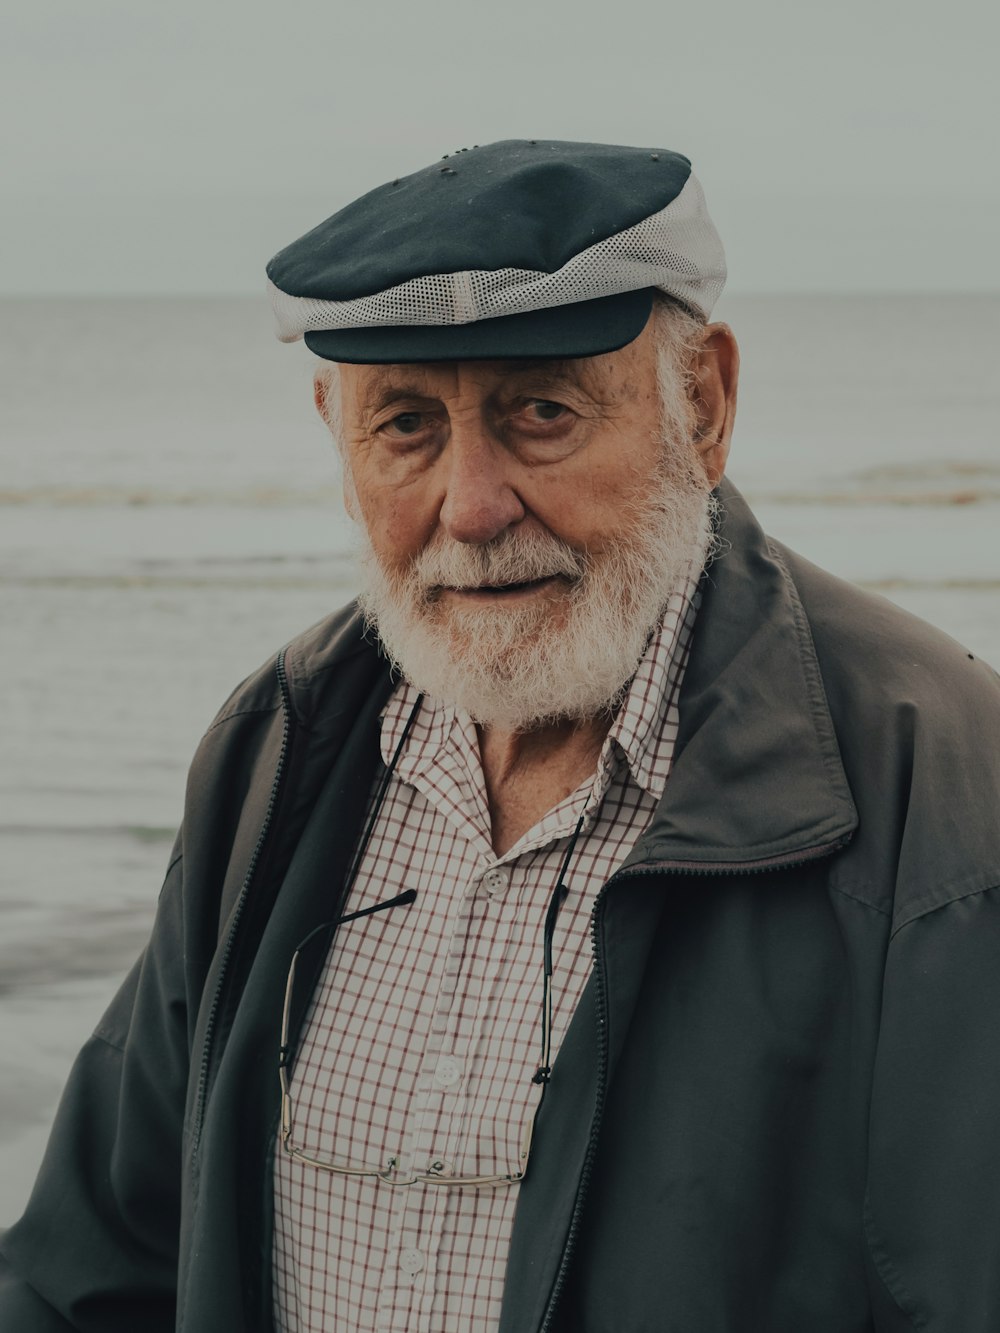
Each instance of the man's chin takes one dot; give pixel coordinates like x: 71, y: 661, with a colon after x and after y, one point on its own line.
x: 475, y: 648
x: 480, y: 625
x: 503, y: 679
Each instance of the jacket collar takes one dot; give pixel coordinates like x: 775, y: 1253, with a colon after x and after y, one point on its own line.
x: 757, y: 777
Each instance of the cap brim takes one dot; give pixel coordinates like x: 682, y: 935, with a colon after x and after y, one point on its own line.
x: 586, y: 328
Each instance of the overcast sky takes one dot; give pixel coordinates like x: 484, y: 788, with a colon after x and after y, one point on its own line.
x: 174, y: 147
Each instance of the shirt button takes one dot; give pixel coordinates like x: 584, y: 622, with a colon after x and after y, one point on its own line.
x: 496, y: 880
x: 448, y: 1072
x: 411, y: 1262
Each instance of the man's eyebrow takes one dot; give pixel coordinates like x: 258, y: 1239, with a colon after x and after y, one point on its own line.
x: 384, y: 388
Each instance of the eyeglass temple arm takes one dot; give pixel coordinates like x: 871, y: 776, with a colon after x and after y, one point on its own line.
x: 400, y: 900
x: 287, y: 1048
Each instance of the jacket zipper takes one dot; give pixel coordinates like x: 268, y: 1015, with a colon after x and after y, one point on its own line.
x: 668, y: 867
x: 213, y: 1013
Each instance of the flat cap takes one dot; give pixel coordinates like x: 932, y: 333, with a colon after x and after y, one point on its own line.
x: 524, y: 248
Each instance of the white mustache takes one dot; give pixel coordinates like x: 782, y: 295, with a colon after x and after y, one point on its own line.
x: 514, y: 557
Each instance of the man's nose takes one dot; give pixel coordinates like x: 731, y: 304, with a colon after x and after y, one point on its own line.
x: 480, y: 501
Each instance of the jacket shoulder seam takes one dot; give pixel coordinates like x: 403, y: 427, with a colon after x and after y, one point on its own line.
x: 116, y: 1046
x: 931, y: 908
x: 242, y: 712
x: 863, y: 902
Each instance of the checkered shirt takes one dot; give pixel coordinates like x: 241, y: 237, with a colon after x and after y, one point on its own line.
x: 424, y: 1028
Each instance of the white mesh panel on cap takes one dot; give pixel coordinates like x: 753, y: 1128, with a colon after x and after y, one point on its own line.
x: 677, y: 250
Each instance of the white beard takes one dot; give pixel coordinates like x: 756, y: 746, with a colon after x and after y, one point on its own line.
x: 566, y: 656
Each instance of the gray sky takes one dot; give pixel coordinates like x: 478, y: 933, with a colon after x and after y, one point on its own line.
x: 174, y: 147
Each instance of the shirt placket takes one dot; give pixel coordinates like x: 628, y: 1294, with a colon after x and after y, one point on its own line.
x: 437, y: 1105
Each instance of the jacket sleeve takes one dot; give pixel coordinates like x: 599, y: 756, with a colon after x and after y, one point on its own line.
x: 932, y: 1215
x: 96, y: 1249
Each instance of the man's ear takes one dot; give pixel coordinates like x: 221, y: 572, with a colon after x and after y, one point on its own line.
x: 715, y: 377
x: 329, y: 410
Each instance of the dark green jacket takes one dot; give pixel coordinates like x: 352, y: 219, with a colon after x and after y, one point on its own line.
x: 777, y: 1108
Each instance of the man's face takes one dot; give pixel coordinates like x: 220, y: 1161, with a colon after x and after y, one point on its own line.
x: 516, y: 512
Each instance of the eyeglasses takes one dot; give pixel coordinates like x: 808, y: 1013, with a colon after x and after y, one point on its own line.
x: 390, y: 1172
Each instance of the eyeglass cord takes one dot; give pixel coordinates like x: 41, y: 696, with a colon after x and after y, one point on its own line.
x: 559, y: 895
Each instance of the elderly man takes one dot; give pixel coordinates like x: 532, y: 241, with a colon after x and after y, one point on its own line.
x: 596, y: 931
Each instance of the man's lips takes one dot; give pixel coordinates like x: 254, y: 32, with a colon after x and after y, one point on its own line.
x: 501, y: 590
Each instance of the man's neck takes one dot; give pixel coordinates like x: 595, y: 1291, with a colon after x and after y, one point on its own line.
x: 527, y: 773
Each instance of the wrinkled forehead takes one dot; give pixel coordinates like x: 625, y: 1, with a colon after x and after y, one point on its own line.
x: 608, y: 373
x: 435, y: 376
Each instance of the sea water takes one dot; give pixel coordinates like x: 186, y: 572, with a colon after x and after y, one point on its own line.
x: 170, y: 514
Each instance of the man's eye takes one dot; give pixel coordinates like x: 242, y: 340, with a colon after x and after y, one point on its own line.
x: 543, y: 409
x: 407, y: 423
